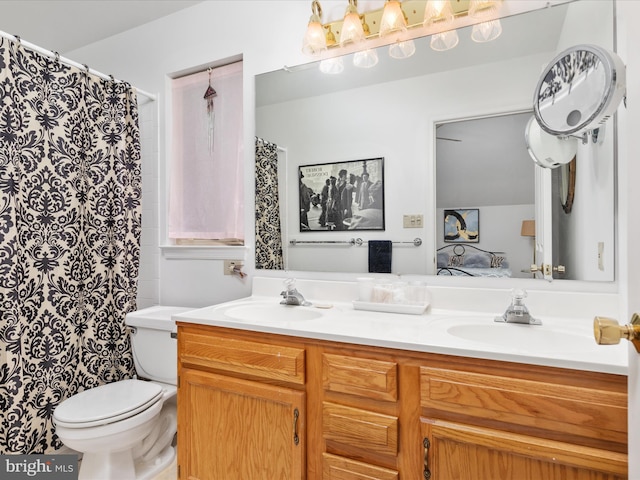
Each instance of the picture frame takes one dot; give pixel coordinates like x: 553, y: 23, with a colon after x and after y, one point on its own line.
x: 462, y: 225
x: 339, y: 196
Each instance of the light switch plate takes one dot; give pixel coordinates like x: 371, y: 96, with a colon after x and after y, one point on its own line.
x: 412, y: 221
x: 601, y: 256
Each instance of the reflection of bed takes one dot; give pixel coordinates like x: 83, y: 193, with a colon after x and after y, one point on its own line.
x: 470, y: 261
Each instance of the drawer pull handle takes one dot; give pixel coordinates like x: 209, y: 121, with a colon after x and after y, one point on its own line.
x: 296, y: 438
x: 426, y: 472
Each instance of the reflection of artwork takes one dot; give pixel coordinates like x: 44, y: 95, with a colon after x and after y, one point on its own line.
x: 462, y: 225
x: 342, y: 196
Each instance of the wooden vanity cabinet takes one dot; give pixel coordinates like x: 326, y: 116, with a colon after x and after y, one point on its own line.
x: 365, y: 413
x: 241, y: 407
x: 510, y: 421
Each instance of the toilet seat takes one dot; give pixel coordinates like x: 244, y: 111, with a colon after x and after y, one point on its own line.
x: 107, y: 403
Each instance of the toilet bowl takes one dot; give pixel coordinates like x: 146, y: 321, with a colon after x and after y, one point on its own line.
x: 125, y: 429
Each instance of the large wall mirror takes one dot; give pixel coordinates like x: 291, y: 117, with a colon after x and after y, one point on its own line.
x: 450, y: 128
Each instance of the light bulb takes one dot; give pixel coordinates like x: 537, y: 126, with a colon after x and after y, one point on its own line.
x: 392, y: 20
x: 484, y: 9
x: 352, y: 31
x: 314, y: 41
x: 438, y: 11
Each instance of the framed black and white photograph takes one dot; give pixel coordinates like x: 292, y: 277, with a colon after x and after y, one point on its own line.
x: 462, y: 225
x: 342, y: 195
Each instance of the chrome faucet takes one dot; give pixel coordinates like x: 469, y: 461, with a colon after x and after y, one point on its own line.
x: 518, y: 312
x: 291, y: 296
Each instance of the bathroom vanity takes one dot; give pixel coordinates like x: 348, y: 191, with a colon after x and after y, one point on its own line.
x: 274, y: 391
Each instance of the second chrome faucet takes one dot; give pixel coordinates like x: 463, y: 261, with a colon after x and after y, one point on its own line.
x: 291, y: 296
x: 518, y: 312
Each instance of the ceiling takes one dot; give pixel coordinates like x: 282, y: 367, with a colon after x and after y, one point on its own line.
x: 65, y: 25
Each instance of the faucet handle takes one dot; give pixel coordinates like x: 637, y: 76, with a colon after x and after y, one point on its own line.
x: 517, y: 295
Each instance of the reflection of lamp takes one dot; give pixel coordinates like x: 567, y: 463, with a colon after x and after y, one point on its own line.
x: 486, y: 31
x: 529, y: 230
x: 332, y: 66
x: 365, y: 58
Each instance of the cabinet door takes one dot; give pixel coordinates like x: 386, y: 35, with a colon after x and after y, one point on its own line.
x: 456, y: 451
x: 230, y: 428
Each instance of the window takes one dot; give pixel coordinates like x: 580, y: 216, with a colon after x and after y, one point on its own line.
x: 206, y: 203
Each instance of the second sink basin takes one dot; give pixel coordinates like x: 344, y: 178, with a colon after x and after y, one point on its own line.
x: 259, y: 312
x: 524, y: 337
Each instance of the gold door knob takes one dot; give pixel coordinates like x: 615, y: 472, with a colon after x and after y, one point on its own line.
x: 608, y: 331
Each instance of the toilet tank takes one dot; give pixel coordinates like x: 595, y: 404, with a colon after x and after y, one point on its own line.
x: 155, y: 350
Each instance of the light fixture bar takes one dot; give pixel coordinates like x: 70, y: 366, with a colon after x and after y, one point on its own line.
x: 413, y: 10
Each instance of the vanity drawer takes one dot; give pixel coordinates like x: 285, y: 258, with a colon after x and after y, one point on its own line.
x: 585, y: 412
x: 263, y: 360
x: 374, y: 432
x: 335, y: 467
x: 364, y: 377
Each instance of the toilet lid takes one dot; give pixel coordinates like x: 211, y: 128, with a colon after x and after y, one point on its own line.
x: 107, y: 403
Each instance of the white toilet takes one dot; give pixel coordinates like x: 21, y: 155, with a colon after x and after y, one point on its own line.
x: 125, y: 429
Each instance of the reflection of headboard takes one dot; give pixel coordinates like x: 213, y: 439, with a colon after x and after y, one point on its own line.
x: 468, y: 260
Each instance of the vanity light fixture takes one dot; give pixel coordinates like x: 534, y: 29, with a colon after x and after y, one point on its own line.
x: 352, y: 28
x: 315, y: 39
x: 393, y: 19
x: 392, y: 24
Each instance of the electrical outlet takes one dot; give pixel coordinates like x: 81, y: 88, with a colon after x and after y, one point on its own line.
x: 229, y: 264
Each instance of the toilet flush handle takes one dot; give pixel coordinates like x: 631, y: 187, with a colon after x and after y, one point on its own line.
x: 608, y: 331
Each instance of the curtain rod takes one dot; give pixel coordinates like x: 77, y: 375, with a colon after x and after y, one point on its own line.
x: 67, y: 61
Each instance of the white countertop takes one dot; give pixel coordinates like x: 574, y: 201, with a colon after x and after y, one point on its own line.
x: 559, y: 342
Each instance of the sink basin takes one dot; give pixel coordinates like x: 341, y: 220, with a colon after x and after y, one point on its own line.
x: 534, y: 338
x: 261, y: 312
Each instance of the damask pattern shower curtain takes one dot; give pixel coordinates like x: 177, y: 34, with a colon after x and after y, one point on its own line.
x: 70, y: 218
x: 268, y: 233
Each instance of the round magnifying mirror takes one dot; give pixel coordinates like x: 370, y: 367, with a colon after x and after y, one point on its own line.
x: 547, y: 150
x: 579, y: 90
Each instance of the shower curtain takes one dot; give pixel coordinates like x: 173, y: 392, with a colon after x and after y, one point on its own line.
x: 70, y: 218
x: 268, y: 233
